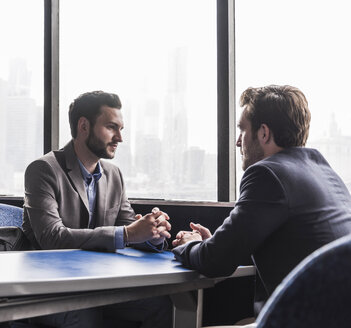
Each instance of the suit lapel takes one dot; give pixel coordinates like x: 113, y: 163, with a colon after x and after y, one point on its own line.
x: 73, y: 171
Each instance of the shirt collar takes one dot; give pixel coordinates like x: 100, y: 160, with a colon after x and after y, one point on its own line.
x: 87, y: 176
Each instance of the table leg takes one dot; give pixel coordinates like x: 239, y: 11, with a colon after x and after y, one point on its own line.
x: 187, y: 309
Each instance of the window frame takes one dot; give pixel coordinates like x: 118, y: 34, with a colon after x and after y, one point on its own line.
x: 226, y: 161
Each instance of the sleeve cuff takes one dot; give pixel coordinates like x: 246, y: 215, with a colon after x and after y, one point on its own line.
x: 156, y: 248
x: 119, y: 237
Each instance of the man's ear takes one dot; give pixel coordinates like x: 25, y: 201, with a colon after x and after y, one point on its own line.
x: 264, y: 134
x: 83, y: 126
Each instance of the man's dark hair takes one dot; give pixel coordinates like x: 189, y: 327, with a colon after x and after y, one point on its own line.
x: 89, y: 105
x: 283, y: 108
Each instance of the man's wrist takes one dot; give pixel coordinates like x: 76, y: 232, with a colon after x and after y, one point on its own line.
x: 157, y: 242
x: 157, y: 248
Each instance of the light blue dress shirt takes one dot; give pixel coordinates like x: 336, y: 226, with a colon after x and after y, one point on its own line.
x: 90, y: 182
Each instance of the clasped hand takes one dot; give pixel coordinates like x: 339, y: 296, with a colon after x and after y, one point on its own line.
x: 153, y: 226
x: 198, y: 232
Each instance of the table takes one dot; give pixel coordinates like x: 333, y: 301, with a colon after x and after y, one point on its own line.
x: 44, y: 282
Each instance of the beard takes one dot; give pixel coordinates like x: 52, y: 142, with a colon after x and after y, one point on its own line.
x: 253, y: 153
x: 98, y: 147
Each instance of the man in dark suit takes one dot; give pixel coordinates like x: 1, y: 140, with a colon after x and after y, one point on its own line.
x: 75, y: 200
x: 291, y: 201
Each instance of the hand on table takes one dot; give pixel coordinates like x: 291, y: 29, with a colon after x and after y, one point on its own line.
x: 199, y: 233
x: 203, y: 231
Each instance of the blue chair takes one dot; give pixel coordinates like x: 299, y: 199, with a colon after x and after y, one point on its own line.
x: 317, y: 293
x: 11, y: 234
x: 10, y: 216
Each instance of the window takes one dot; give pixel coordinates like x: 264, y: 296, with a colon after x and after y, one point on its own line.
x: 21, y: 90
x: 160, y: 57
x: 304, y: 44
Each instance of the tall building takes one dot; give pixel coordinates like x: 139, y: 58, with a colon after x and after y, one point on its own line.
x: 6, y: 172
x: 19, y: 78
x: 3, y: 117
x: 23, y: 117
x: 337, y: 150
x: 148, y: 155
x: 194, y: 166
x: 175, y: 126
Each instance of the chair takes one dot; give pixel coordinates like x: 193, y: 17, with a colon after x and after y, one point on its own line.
x: 12, y: 237
x: 317, y: 293
x: 10, y: 216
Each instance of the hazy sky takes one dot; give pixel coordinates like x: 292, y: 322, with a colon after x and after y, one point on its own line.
x: 124, y: 47
x: 299, y: 42
x: 302, y: 43
x: 130, y: 48
x: 22, y: 35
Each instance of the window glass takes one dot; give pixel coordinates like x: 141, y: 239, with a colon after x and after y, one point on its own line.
x: 21, y: 90
x: 304, y: 44
x: 159, y: 56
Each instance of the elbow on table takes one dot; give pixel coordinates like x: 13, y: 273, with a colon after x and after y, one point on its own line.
x: 213, y: 266
x: 213, y: 271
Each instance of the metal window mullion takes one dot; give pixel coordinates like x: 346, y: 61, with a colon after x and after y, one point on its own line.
x: 232, y: 101
x: 55, y: 124
x: 226, y: 100
x: 51, y: 75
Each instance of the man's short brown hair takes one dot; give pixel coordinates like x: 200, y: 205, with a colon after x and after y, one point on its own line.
x: 283, y: 108
x: 89, y: 105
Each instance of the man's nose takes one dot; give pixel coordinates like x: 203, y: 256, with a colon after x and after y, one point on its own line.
x: 238, y: 141
x: 118, y: 136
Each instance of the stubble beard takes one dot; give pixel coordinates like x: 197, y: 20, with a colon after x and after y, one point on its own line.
x: 98, y: 147
x: 254, y: 153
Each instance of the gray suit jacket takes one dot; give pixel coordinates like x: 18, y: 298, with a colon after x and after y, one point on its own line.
x: 56, y: 205
x: 290, y: 204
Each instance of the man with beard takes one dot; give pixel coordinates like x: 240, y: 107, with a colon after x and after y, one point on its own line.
x: 75, y: 200
x: 291, y: 201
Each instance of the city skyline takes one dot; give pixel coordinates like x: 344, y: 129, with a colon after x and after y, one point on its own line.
x: 166, y: 164
x: 184, y: 171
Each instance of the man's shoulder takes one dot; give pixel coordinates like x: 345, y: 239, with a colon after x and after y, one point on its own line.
x: 51, y: 159
x: 289, y: 167
x: 108, y: 167
x: 48, y: 158
x: 292, y: 157
x: 284, y: 164
x: 56, y: 157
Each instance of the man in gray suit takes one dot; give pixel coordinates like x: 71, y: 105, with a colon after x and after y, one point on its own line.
x: 291, y: 201
x: 75, y: 200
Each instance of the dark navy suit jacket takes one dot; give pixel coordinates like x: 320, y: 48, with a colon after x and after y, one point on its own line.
x: 290, y: 204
